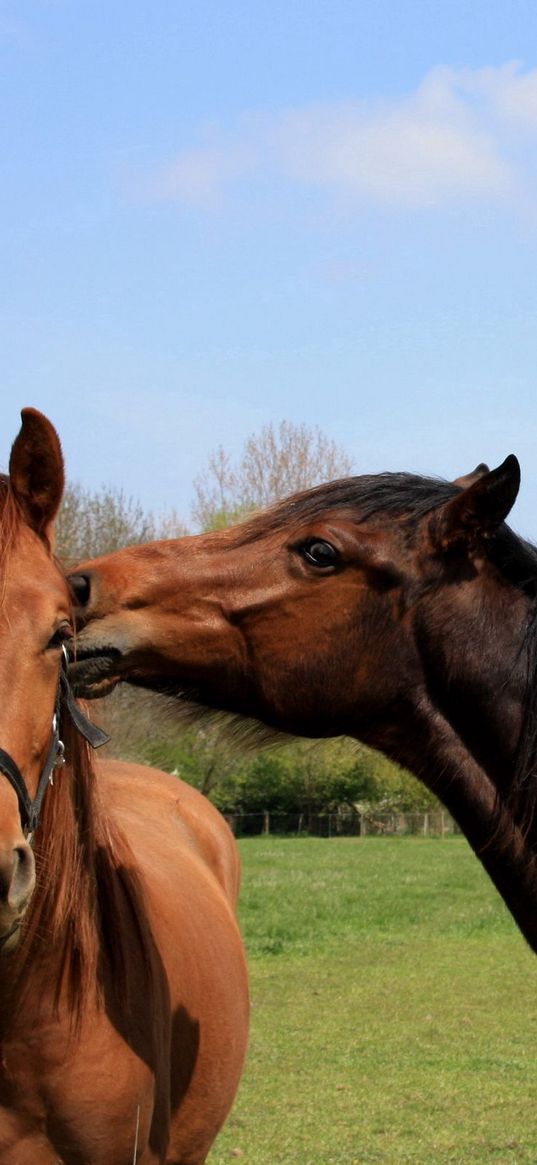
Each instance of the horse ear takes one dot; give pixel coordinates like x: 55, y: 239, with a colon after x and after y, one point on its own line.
x: 36, y: 471
x: 479, y: 509
x: 469, y: 478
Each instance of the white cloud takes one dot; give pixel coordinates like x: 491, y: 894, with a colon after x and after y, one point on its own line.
x: 198, y: 176
x: 505, y: 93
x: 461, y: 135
x: 405, y: 156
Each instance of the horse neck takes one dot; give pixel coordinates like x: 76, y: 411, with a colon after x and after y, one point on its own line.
x: 433, y: 751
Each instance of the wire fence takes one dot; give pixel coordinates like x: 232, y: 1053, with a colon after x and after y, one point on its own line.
x: 436, y: 823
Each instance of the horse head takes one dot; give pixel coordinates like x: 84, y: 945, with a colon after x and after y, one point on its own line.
x: 335, y: 612
x: 35, y: 620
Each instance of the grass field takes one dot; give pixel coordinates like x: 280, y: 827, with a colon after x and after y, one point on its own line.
x: 394, y: 1013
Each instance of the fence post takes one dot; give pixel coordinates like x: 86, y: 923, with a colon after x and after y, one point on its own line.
x: 266, y: 821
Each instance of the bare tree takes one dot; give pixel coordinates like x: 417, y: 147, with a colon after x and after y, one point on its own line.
x: 274, y: 463
x: 94, y: 523
x: 171, y: 526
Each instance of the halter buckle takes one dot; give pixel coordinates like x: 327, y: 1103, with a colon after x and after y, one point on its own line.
x: 60, y: 759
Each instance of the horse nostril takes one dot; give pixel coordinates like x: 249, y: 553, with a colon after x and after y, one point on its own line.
x: 23, y: 855
x: 17, y: 876
x: 81, y: 587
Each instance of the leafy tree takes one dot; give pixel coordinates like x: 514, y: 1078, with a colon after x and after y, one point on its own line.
x: 306, y: 777
x: 202, y: 755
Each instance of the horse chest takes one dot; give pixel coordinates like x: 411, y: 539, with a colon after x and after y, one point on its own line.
x: 23, y: 1136
x: 67, y: 1099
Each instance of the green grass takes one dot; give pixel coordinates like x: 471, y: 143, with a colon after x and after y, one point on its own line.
x: 394, y: 1013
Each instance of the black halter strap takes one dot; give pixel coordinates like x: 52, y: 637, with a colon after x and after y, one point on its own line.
x: 94, y: 735
x: 30, y: 810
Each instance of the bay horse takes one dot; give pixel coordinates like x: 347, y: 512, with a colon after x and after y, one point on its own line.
x: 396, y: 609
x: 123, y: 988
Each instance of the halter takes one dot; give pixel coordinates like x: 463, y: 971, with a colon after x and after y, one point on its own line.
x: 30, y: 810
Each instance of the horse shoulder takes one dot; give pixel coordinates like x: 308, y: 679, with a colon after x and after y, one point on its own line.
x: 150, y: 797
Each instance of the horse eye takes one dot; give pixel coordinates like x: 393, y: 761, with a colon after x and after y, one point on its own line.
x: 319, y: 553
x: 62, y: 634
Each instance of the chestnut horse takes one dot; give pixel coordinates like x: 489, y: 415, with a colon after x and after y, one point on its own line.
x: 396, y: 609
x: 123, y: 991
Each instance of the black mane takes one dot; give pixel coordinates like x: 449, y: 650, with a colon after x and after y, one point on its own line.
x: 400, y: 494
x: 395, y: 493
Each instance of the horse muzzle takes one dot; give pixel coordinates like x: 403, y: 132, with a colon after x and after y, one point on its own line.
x: 17, y: 883
x: 94, y: 672
x: 10, y: 939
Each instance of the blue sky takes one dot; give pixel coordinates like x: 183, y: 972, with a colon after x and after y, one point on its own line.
x: 215, y: 215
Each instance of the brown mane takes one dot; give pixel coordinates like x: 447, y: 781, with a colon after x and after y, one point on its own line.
x: 10, y: 522
x: 88, y: 898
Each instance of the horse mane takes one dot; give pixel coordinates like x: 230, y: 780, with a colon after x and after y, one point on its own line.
x: 10, y: 522
x: 404, y: 495
x: 88, y: 904
x: 362, y: 497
